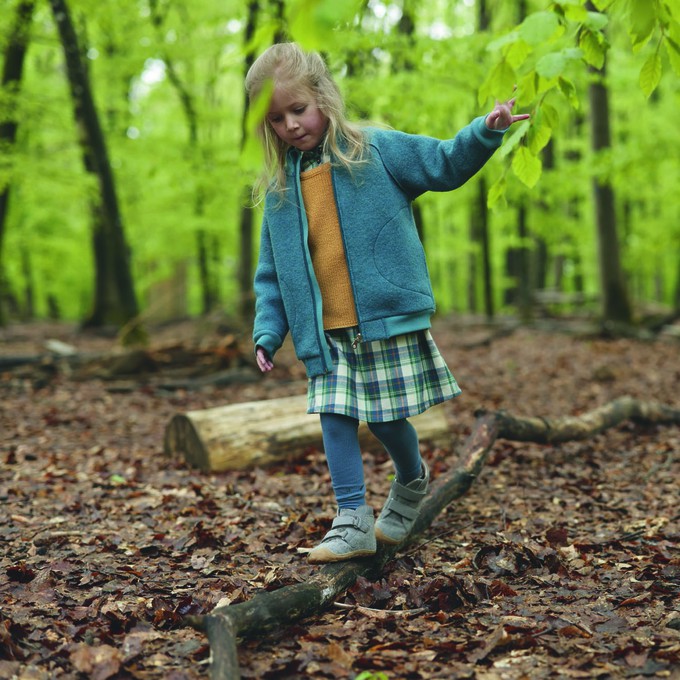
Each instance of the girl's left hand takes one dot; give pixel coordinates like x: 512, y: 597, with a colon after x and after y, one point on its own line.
x: 501, y: 118
x: 264, y: 363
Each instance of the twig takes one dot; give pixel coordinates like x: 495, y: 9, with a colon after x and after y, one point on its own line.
x: 371, y: 610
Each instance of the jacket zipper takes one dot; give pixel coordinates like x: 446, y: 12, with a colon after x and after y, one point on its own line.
x: 357, y: 339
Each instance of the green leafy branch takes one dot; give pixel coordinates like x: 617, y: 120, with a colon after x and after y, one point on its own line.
x: 542, y: 54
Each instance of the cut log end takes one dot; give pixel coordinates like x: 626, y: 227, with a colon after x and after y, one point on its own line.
x: 182, y: 439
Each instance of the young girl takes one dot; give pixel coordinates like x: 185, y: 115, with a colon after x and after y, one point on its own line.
x: 341, y: 267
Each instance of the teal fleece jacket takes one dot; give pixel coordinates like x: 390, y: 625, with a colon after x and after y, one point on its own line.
x: 385, y: 258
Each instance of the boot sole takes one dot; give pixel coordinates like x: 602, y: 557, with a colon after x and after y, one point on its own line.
x: 384, y: 538
x: 324, y: 556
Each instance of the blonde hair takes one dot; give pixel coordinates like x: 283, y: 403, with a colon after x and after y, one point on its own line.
x: 288, y: 63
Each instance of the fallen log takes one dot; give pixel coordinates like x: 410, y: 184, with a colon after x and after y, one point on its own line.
x: 9, y: 362
x: 570, y: 428
x: 253, y: 433
x: 272, y: 610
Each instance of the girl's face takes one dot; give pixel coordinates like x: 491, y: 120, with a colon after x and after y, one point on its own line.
x: 295, y: 117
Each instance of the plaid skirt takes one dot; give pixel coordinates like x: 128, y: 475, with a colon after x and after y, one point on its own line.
x: 381, y: 380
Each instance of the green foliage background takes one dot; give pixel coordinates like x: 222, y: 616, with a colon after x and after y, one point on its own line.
x: 432, y: 81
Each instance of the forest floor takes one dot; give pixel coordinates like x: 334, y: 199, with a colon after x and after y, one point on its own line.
x: 561, y: 561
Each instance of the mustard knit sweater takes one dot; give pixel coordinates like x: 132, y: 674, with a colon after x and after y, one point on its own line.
x: 327, y: 249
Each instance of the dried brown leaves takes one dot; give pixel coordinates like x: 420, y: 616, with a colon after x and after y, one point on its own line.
x: 558, y: 558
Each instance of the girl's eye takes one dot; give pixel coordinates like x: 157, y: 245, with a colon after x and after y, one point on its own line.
x: 275, y: 119
x: 300, y: 109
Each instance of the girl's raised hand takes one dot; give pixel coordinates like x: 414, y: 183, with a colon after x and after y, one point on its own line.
x: 501, y: 118
x: 264, y: 363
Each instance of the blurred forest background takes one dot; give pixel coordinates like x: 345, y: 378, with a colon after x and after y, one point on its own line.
x: 127, y: 154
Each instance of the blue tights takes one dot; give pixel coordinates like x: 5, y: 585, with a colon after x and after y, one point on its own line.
x: 341, y: 442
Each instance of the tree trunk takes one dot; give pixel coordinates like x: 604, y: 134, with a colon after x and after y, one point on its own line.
x: 522, y: 254
x: 246, y: 223
x: 539, y: 279
x: 615, y: 301
x: 13, y: 68
x: 28, y: 310
x: 209, y: 295
x: 204, y: 245
x: 115, y: 301
x: 472, y: 268
x: 246, y: 306
x: 676, y: 300
x: 245, y: 259
x: 574, y: 212
x: 479, y: 221
x: 518, y: 269
x: 273, y: 610
x: 616, y: 305
x: 485, y: 238
x: 243, y: 435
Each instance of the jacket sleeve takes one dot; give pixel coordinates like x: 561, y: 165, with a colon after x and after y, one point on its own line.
x: 419, y: 164
x: 271, y: 324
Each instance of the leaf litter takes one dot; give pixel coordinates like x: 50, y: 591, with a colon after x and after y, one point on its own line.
x: 560, y: 559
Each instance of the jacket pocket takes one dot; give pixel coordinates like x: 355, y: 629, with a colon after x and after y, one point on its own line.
x: 399, y: 257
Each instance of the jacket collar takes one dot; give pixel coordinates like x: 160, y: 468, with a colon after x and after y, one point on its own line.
x: 293, y: 158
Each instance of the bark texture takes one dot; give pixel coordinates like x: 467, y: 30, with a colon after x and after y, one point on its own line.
x: 12, y: 72
x: 616, y: 303
x: 272, y: 610
x: 115, y: 300
x: 246, y: 230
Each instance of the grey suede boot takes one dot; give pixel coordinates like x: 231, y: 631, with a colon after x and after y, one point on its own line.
x: 401, y: 509
x: 352, y: 535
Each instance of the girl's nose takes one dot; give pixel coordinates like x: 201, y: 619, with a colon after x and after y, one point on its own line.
x: 291, y: 122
